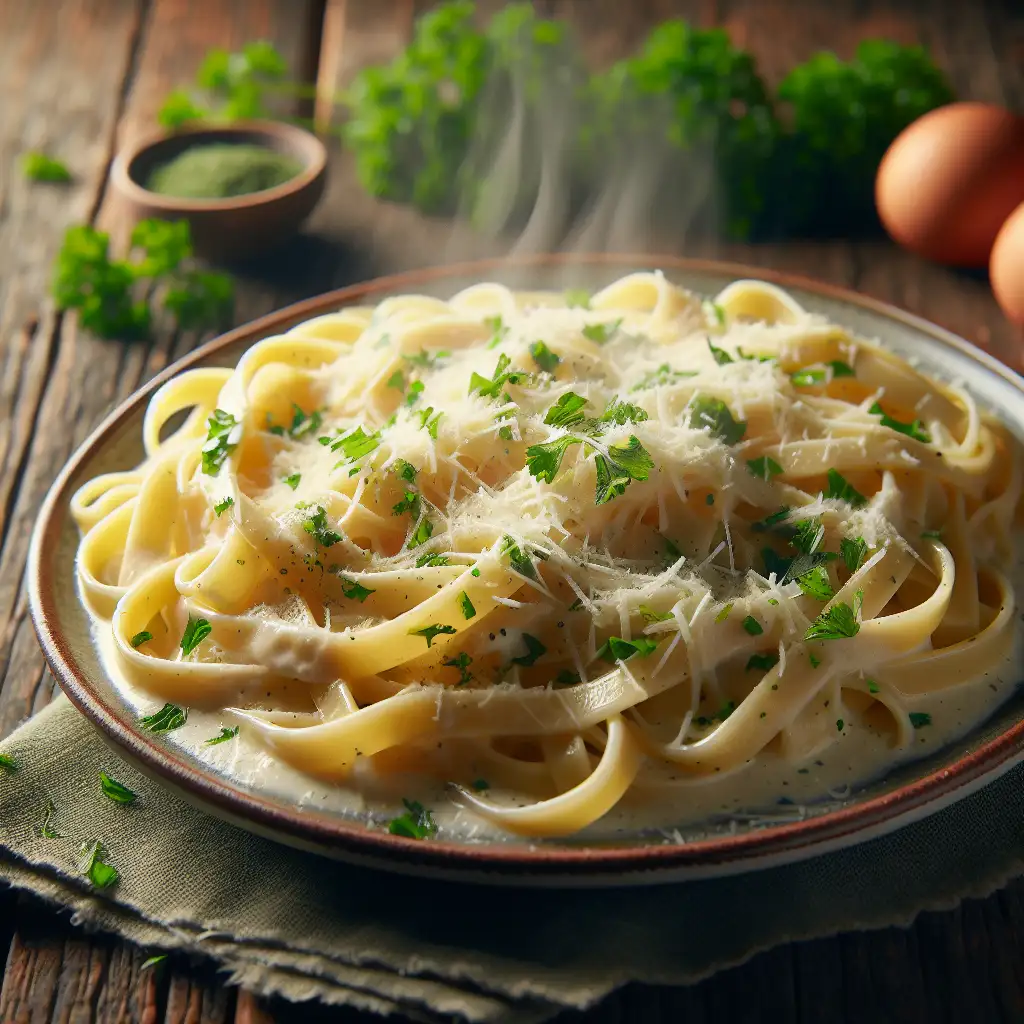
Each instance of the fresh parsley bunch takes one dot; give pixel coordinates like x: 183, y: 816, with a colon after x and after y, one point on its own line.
x: 237, y: 84
x: 114, y: 297
x: 843, y: 116
x: 411, y: 121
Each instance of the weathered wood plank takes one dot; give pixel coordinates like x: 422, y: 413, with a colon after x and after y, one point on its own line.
x: 197, y: 998
x: 30, y: 979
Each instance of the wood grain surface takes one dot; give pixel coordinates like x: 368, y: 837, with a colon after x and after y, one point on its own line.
x: 81, y: 77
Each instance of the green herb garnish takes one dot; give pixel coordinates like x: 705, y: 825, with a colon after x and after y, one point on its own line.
x: 410, y: 503
x: 141, y: 638
x: 873, y: 687
x: 714, y: 415
x: 836, y: 623
x: 416, y: 823
x: 431, y: 560
x: 839, y: 487
x: 577, y: 298
x: 421, y: 534
x: 223, y: 506
x: 534, y: 650
x: 7, y: 763
x: 841, y: 369
x: 919, y: 719
x: 430, y: 421
x: 466, y: 605
x: 316, y: 526
x: 99, y: 872
x: 601, y: 333
x: 808, y: 378
x: 764, y: 468
x: 46, y: 830
x: 352, y: 589
x: 623, y: 412
x: 293, y: 480
x: 303, y: 423
x: 196, y: 631
x: 224, y: 735
x: 915, y: 430
x: 543, y: 356
x: 931, y: 535
x: 567, y: 411
x: 426, y: 360
x: 764, y: 662
x: 815, y: 583
x: 808, y: 535
x: 616, y: 649
x: 752, y: 626
x: 461, y: 661
x: 40, y: 167
x: 650, y: 615
x: 429, y: 632
x: 501, y: 376
x: 664, y: 374
x: 545, y: 459
x: 116, y: 791
x: 853, y: 550
x: 480, y: 785
x: 719, y: 354
x: 353, y: 445
x: 724, y: 613
x: 518, y: 559
x: 221, y: 428
x: 624, y: 464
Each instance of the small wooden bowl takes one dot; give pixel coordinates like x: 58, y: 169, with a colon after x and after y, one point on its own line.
x: 226, y: 229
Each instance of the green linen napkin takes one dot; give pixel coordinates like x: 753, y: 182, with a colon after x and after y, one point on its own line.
x: 281, y: 921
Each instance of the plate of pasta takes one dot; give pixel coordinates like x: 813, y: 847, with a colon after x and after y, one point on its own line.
x: 574, y: 569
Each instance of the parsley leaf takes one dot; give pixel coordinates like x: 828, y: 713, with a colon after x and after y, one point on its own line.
x: 815, y: 583
x: 650, y: 615
x: 724, y: 613
x: 764, y: 468
x: 225, y: 735
x: 720, y: 355
x: 410, y: 503
x: 223, y: 506
x: 153, y: 961
x: 353, y: 589
x: 430, y: 421
x: 577, y: 297
x: 545, y: 459
x: 99, y: 872
x: 543, y: 356
x: 168, y: 718
x: 534, y: 650
x: 196, y: 631
x: 841, y: 369
x: 775, y: 563
x: 602, y: 333
x: 752, y: 626
x: 835, y: 623
x: 567, y: 411
x: 808, y: 377
x: 416, y: 823
x: 141, y: 638
x: 426, y: 360
x: 430, y: 560
x: 7, y: 763
x: 518, y: 559
x: 808, y: 535
x: 316, y: 526
x: 397, y: 381
x: 293, y: 480
x: 302, y: 423
x: 461, y: 661
x: 919, y: 719
x: 623, y: 412
x: 429, y: 632
x: 664, y: 374
x: 468, y: 611
x: 839, y: 487
x: 405, y: 470
x: 764, y: 662
x: 714, y: 415
x: 500, y: 331
x: 616, y: 649
x: 222, y: 437
x: 624, y: 464
x: 423, y: 532
x: 771, y: 521
x: 915, y: 430
x: 116, y: 791
x: 502, y: 375
x: 416, y: 388
x: 853, y: 550
x: 40, y: 167
x: 353, y: 445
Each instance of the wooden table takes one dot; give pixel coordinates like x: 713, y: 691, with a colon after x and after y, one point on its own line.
x: 82, y: 78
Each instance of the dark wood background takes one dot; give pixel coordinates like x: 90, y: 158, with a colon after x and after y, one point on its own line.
x: 81, y: 78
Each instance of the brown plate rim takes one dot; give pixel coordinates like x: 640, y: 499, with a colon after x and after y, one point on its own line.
x: 320, y: 831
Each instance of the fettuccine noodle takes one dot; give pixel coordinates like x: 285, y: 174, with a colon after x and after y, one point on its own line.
x: 558, y: 550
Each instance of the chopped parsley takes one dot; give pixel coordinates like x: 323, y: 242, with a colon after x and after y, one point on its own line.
x: 416, y: 388
x: 480, y: 784
x: 716, y: 311
x: 223, y: 506
x: 501, y: 376
x: 775, y: 563
x: 168, y: 718
x: 839, y: 487
x: 873, y: 686
x: 430, y: 420
x: 353, y: 589
x: 836, y: 623
x: 518, y: 559
x: 222, y: 437
x: 815, y: 583
x: 719, y: 354
x: 196, y: 631
x: 808, y: 535
x: 664, y: 374
x: 814, y: 660
x: 423, y: 532
x: 153, y: 961
x: 461, y: 661
x: 764, y: 468
x: 752, y: 626
x: 808, y: 377
x: 224, y: 735
x: 841, y: 369
x: 543, y: 356
x: 853, y: 550
x: 405, y: 470
x: 7, y: 763
x: 724, y: 613
x: 624, y: 464
x: 498, y: 328
x: 714, y: 415
x: 431, y: 560
x: 316, y: 526
x: 534, y: 650
x: 46, y: 830
x: 544, y: 460
x: 397, y: 381
x: 577, y: 298
x: 116, y: 791
x: 916, y: 430
x: 919, y: 719
x: 96, y: 869
x: 426, y: 360
x: 410, y: 503
x: 650, y: 615
x: 302, y: 423
x: 931, y: 535
x: 623, y: 412
x: 429, y: 632
x: 770, y: 522
x: 567, y: 411
x: 710, y: 499
x: 839, y: 725
x: 292, y: 480
x: 601, y: 333
x: 764, y: 662
x: 616, y: 649
x: 566, y: 677
x: 141, y: 638
x: 466, y: 606
x: 353, y: 445
x: 416, y: 823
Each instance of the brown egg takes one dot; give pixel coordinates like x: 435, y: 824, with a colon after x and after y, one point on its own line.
x: 950, y: 180
x: 1006, y: 268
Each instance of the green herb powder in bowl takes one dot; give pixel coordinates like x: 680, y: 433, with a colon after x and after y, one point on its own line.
x: 222, y: 171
